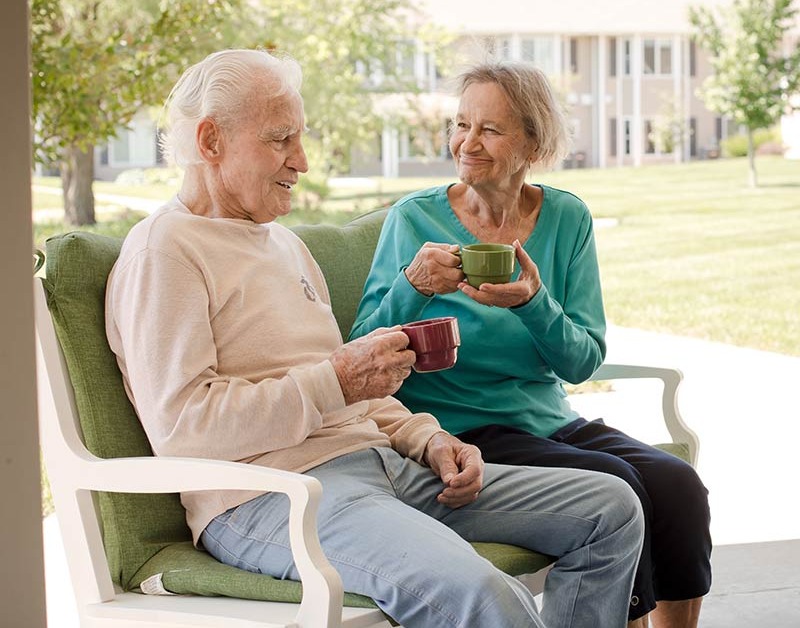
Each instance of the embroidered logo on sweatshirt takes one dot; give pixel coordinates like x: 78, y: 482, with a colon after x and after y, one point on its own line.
x: 311, y: 294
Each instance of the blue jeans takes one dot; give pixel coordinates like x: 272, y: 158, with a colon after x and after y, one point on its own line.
x: 383, y: 530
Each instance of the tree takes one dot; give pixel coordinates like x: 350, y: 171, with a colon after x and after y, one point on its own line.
x: 349, y: 51
x: 752, y: 78
x: 669, y: 128
x: 95, y: 63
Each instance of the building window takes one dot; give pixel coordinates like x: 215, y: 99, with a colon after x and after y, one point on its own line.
x: 612, y: 56
x: 120, y: 149
x: 540, y: 51
x: 693, y: 137
x: 626, y: 57
x: 626, y: 137
x: 573, y: 55
x: 692, y: 58
x: 657, y: 56
x: 612, y: 137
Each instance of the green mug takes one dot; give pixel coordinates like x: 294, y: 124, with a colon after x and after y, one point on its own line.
x: 487, y: 263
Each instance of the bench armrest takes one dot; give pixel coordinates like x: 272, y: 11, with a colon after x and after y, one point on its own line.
x: 671, y: 379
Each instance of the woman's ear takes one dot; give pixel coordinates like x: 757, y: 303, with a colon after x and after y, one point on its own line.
x: 209, y: 140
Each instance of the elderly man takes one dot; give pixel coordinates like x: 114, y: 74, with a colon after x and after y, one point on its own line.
x: 222, y: 326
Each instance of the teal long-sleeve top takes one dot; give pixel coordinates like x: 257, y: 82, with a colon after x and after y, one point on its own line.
x: 512, y: 361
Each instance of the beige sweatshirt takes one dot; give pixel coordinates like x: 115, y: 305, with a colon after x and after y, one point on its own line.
x: 222, y: 330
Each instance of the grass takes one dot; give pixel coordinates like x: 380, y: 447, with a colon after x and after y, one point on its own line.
x: 697, y: 253
x: 692, y: 252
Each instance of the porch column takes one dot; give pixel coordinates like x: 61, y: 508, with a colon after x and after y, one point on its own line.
x: 22, y: 595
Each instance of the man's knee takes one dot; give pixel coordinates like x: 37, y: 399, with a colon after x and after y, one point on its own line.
x: 622, y: 508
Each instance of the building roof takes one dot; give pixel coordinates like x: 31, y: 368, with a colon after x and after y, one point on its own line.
x: 575, y: 17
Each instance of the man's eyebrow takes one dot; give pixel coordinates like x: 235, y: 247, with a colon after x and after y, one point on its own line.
x: 284, y: 130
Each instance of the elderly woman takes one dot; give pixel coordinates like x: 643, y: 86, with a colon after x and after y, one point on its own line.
x: 521, y: 339
x: 222, y: 327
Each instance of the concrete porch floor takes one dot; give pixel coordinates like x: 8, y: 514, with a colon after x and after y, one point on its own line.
x: 755, y: 584
x: 743, y: 404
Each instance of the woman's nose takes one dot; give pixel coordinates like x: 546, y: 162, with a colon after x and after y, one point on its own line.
x: 471, y: 140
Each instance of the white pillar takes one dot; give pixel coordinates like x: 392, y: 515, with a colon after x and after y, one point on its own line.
x: 558, y: 56
x: 682, y: 145
x: 619, y: 109
x: 22, y: 595
x: 600, y: 124
x: 390, y: 151
x: 637, y: 128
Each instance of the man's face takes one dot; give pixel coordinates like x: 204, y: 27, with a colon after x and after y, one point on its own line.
x: 262, y: 159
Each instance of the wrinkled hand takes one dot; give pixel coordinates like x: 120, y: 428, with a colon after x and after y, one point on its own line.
x: 459, y: 465
x: 373, y: 366
x: 509, y: 294
x: 435, y: 269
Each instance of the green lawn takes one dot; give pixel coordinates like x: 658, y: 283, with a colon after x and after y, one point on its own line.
x: 691, y: 250
x: 697, y: 253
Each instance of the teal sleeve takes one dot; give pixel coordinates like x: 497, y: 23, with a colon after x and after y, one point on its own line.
x: 571, y: 337
x: 389, y: 299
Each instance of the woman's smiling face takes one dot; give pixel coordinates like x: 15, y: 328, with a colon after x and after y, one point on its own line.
x: 488, y: 142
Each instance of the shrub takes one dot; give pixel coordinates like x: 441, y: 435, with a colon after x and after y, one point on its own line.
x: 736, y: 146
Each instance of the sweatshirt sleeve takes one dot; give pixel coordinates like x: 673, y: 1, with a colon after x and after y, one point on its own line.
x: 159, y: 326
x: 570, y: 337
x: 388, y: 298
x: 408, y: 433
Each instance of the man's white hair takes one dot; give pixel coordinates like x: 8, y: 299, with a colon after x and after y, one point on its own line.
x: 221, y: 87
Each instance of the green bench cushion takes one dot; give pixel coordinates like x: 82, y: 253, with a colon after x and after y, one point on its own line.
x: 146, y: 534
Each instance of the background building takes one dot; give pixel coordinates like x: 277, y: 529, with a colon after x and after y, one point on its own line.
x: 627, y: 71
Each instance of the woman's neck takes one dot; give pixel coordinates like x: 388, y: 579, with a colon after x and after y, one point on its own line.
x: 497, y: 215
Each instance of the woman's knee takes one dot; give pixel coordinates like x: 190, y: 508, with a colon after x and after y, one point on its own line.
x: 675, y: 485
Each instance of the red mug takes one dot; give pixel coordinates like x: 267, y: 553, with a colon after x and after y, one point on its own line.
x: 435, y: 341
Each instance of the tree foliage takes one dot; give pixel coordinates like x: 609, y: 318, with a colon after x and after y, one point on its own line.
x: 350, y: 50
x: 95, y: 63
x: 754, y: 75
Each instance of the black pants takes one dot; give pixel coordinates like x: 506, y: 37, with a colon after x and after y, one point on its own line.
x: 676, y: 556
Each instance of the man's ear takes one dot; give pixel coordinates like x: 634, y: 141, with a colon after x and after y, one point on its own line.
x: 209, y: 140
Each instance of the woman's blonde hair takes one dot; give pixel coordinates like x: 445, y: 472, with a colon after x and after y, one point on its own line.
x: 221, y: 86
x: 532, y: 99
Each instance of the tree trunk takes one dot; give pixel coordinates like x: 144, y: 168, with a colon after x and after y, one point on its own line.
x: 751, y: 158
x: 77, y: 174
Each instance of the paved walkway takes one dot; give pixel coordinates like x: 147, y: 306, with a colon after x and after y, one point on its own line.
x: 743, y: 405
x: 103, y: 203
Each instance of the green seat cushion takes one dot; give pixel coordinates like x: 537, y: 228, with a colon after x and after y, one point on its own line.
x: 146, y: 534
x: 185, y: 569
x: 681, y: 450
